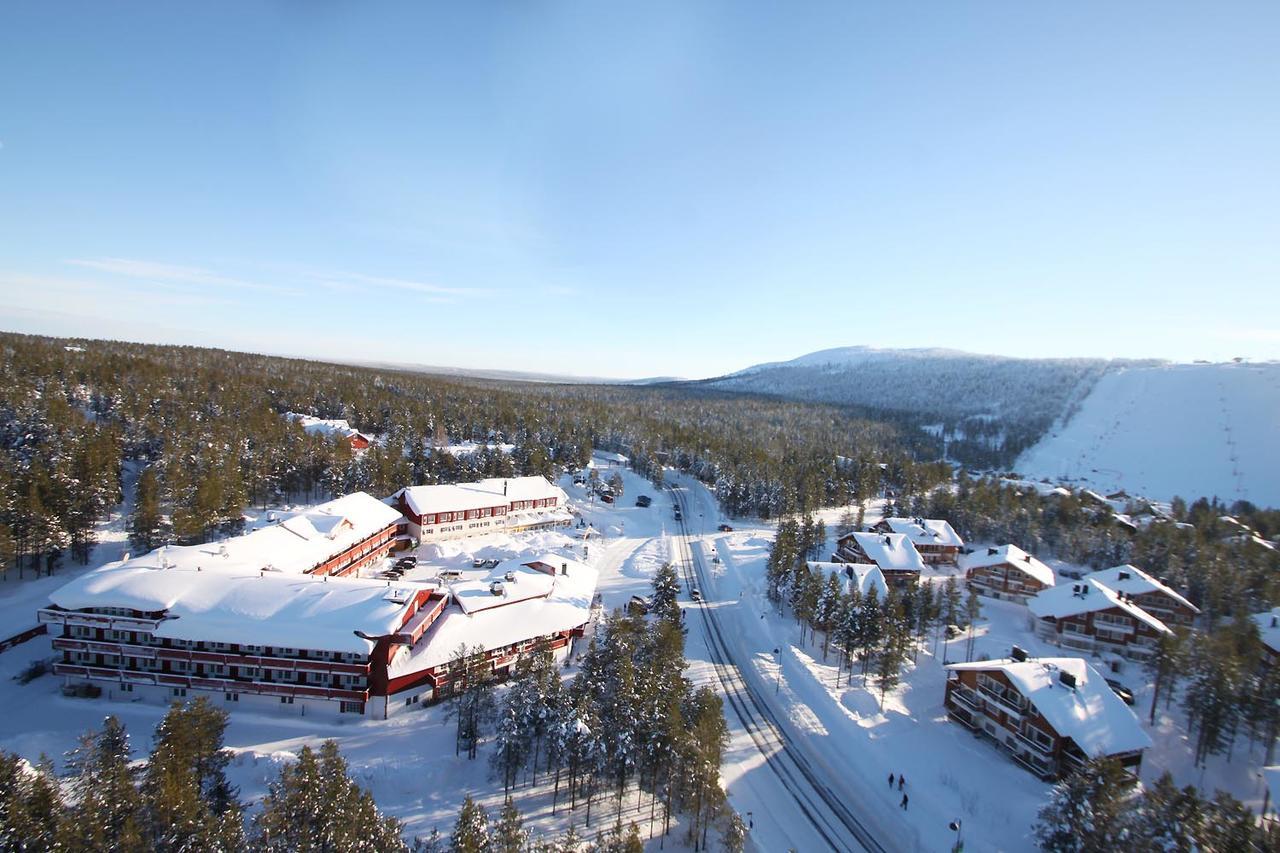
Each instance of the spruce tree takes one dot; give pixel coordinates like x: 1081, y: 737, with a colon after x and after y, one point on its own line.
x: 30, y: 806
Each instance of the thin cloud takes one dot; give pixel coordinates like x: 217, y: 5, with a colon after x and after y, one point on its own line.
x: 168, y: 273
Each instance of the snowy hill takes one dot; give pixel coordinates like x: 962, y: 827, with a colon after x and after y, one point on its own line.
x: 985, y: 408
x: 1189, y: 429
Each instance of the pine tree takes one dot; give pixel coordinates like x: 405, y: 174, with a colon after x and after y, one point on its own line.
x: 30, y: 806
x: 146, y: 523
x: 315, y: 805
x: 666, y: 593
x: 972, y: 610
x: 107, y: 811
x: 471, y: 832
x: 187, y: 800
x: 509, y: 834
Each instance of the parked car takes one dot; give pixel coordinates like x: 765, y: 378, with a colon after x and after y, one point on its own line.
x: 1120, y: 690
x: 638, y: 605
x: 389, y: 575
x: 644, y: 500
x: 725, y: 528
x: 409, y: 560
x: 449, y: 574
x: 695, y: 594
x: 1071, y: 573
x: 606, y: 497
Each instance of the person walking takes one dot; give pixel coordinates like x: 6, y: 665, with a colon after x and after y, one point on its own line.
x: 891, y: 778
x: 904, y: 802
x: 902, y: 780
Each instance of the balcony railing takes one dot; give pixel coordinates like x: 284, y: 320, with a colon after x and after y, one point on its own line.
x: 225, y: 685
x: 193, y: 656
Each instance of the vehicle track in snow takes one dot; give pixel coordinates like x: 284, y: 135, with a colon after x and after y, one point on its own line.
x: 830, y: 817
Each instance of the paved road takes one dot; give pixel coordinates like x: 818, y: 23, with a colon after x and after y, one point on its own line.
x: 829, y: 816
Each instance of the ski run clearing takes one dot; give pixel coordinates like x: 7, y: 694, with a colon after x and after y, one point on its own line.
x: 1192, y: 430
x: 409, y: 763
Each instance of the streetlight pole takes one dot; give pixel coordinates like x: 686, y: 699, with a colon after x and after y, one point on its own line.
x: 777, y: 673
x: 957, y: 826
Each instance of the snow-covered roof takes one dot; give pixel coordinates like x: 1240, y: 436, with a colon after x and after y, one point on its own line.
x: 566, y: 606
x: 926, y: 531
x: 1268, y: 623
x: 325, y: 427
x: 890, y: 551
x: 526, y: 582
x: 865, y: 575
x: 247, y: 607
x: 1014, y: 556
x: 1132, y: 580
x: 610, y: 456
x: 294, y: 545
x: 495, y: 491
x: 1090, y: 714
x: 1086, y: 596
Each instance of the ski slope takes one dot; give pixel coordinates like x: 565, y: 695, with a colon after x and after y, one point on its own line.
x: 1186, y: 429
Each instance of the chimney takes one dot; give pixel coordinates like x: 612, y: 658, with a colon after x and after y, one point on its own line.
x: 887, y: 540
x: 1123, y: 576
x: 1275, y: 621
x: 991, y: 552
x: 1067, y: 678
x: 1027, y: 558
x: 564, y: 568
x: 1018, y: 653
x: 504, y: 488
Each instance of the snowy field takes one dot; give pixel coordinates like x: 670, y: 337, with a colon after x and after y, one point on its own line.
x: 1194, y: 430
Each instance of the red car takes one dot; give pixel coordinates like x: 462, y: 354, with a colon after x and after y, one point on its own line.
x: 724, y: 528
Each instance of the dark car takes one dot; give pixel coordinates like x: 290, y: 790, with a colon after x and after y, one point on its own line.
x: 1120, y: 690
x: 725, y: 528
x: 638, y: 605
x: 644, y: 500
x: 695, y: 594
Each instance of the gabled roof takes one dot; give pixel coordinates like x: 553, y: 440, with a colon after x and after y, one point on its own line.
x: 482, y: 494
x: 1132, y: 580
x: 1268, y: 623
x: 1087, y: 596
x: 889, y: 551
x: 926, y: 531
x: 865, y: 575
x: 1014, y: 556
x: 1090, y: 713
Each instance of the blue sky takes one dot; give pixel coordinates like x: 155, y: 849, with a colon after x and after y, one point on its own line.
x: 658, y: 189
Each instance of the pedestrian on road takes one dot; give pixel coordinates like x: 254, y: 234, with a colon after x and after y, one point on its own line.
x: 904, y: 802
x: 902, y: 780
x: 891, y: 778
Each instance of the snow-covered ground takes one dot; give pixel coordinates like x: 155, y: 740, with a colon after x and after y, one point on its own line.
x: 1188, y: 429
x: 407, y: 761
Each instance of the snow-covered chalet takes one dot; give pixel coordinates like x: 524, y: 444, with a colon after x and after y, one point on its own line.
x: 894, y: 553
x: 1089, y: 617
x: 1048, y: 714
x: 1152, y: 595
x: 934, y: 538
x: 1006, y: 572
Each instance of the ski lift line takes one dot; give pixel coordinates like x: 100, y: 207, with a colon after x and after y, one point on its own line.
x: 760, y: 720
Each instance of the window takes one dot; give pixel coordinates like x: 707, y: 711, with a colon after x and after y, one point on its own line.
x: 179, y: 691
x: 351, y: 708
x: 126, y: 688
x: 286, y: 700
x: 233, y: 697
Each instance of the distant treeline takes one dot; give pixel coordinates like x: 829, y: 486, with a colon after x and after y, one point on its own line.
x: 203, y: 430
